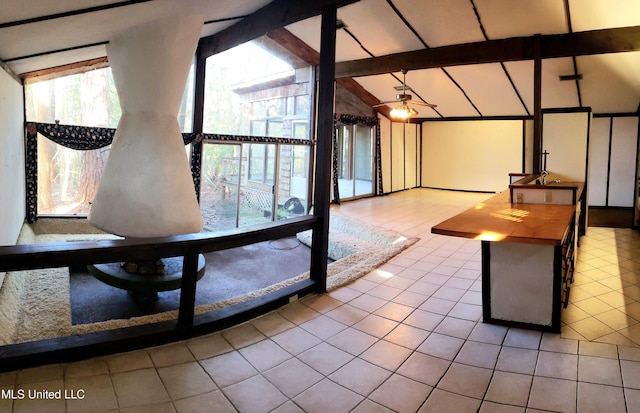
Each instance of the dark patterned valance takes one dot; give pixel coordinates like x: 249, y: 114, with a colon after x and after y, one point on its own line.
x: 248, y: 139
x: 346, y: 119
x: 83, y: 138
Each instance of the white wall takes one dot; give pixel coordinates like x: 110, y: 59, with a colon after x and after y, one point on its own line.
x: 564, y: 136
x: 12, y: 186
x: 385, y: 153
x: 471, y: 155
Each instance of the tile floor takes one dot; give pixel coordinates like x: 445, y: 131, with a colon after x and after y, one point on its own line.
x: 405, y: 338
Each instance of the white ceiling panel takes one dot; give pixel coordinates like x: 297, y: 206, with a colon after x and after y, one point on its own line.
x: 436, y: 20
x: 57, y: 59
x: 309, y: 32
x: 434, y: 86
x: 610, y: 83
x: 510, y: 18
x: 521, y: 74
x: 488, y: 88
x: 556, y: 93
x: 96, y: 27
x: 378, y: 28
x: 601, y: 14
x: 11, y: 11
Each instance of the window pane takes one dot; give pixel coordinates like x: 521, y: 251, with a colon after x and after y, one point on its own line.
x: 275, y: 128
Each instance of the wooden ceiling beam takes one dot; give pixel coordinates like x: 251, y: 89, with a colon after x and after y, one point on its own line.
x: 278, y: 13
x: 625, y: 39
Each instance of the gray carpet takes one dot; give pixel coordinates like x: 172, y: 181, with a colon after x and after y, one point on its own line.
x: 231, y: 273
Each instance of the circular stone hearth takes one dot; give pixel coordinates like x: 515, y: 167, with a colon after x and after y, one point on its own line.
x: 145, y: 287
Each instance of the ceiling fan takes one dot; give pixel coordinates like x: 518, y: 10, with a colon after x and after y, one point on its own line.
x: 404, y: 111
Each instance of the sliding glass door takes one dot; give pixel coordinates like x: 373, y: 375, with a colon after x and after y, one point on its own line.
x: 354, y: 152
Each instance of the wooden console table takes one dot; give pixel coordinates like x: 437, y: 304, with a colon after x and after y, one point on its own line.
x: 527, y: 257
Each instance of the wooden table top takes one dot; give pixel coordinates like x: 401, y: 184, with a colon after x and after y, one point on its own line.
x: 497, y: 219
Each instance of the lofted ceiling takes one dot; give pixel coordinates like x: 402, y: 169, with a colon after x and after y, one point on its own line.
x: 37, y: 34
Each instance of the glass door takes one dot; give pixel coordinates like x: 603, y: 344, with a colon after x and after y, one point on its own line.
x: 355, y: 161
x: 222, y: 166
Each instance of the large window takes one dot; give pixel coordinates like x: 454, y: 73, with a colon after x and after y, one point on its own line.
x: 68, y: 179
x: 253, y: 93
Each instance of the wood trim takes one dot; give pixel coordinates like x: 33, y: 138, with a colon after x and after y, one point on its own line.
x: 624, y: 39
x: 10, y: 72
x: 276, y: 14
x: 63, y: 70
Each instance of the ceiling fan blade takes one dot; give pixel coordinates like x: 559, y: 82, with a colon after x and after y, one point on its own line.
x: 385, y: 103
x: 430, y: 105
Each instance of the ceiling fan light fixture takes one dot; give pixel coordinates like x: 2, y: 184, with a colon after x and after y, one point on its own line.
x: 403, y: 112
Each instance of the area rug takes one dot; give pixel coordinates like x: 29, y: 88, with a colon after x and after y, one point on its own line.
x: 34, y: 305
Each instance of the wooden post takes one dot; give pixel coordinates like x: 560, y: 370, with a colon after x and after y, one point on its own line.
x: 188, y: 288
x: 326, y: 90
x: 537, y: 104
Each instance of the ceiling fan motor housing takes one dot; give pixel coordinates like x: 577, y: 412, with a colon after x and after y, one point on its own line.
x: 403, y: 97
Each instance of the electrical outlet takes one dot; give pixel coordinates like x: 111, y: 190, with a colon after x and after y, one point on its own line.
x: 547, y: 196
x: 519, y: 197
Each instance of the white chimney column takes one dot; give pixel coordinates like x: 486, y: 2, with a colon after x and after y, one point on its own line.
x: 146, y: 189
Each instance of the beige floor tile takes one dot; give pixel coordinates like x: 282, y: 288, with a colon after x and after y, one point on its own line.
x: 466, y: 380
x: 478, y: 354
x: 455, y: 327
x: 368, y: 302
x: 264, y: 354
x: 407, y: 336
x: 315, y: 400
x: 573, y: 313
x: 186, y: 380
x: 517, y: 360
x: 553, y: 394
x: 401, y: 394
x: 445, y: 402
x: 368, y: 406
x: 599, y: 370
x: 554, y: 342
x: 629, y: 353
x: 272, y: 324
x: 129, y: 361
x: 321, y: 302
x: 596, y: 398
x: 243, y: 335
x: 375, y: 325
x: 228, y: 368
x: 165, y: 407
x: 386, y: 355
x: 394, y: 311
x: 424, y: 368
x: 488, y: 333
x: 630, y: 373
x: 208, y: 346
x: 587, y: 348
x: 323, y: 327
x: 325, y: 358
x: 557, y: 365
x: 423, y: 288
x: 491, y: 407
x: 94, y: 394
x: 344, y: 294
x: 527, y: 339
x: 593, y: 306
x: 347, y: 314
x: 424, y: 320
x: 215, y: 401
x: 632, y: 397
x: 442, y: 346
x: 39, y: 402
x: 170, y: 354
x: 352, y: 341
x: 591, y: 328
x: 298, y: 313
x: 470, y: 312
x: 509, y: 388
x: 85, y: 368
x: 40, y: 374
x: 296, y: 340
x: 264, y: 395
x: 360, y: 376
x: 293, y: 377
x: 616, y: 319
x: 139, y: 387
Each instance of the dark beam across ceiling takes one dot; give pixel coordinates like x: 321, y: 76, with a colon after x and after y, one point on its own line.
x: 278, y: 13
x: 593, y: 42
